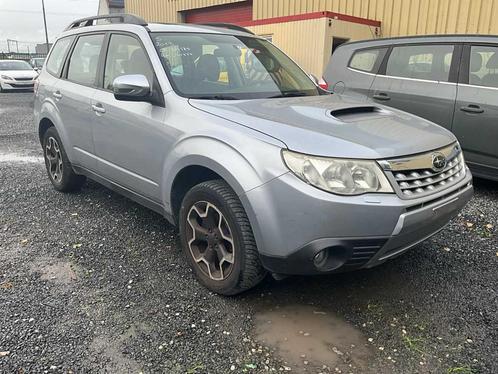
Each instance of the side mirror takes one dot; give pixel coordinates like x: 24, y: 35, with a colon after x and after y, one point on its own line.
x: 133, y: 87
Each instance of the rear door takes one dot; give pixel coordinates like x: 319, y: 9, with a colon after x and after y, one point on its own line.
x: 420, y: 79
x: 476, y: 113
x: 74, y: 94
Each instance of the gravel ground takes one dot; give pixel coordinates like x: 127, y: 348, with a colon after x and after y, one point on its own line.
x: 92, y: 282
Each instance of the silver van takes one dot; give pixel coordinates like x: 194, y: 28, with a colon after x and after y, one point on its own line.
x: 224, y: 135
x: 451, y: 80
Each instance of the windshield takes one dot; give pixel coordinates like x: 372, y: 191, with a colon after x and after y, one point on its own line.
x: 216, y: 66
x: 15, y: 65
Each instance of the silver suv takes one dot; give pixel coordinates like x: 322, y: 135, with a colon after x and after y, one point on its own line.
x: 223, y: 134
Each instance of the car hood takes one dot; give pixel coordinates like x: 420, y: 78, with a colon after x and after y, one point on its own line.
x: 333, y: 125
x: 19, y: 73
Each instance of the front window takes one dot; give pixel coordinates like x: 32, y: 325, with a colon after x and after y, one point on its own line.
x: 15, y: 65
x: 214, y: 66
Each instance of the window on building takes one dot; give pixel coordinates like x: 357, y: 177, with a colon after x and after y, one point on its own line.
x: 84, y: 60
x: 125, y: 56
x: 428, y: 62
x: 483, y: 66
x: 54, y: 63
x: 365, y: 60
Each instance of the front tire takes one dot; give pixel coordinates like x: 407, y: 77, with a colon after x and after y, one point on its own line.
x: 59, y: 169
x: 217, y: 239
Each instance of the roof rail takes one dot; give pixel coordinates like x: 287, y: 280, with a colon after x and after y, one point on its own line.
x: 121, y: 17
x: 230, y: 26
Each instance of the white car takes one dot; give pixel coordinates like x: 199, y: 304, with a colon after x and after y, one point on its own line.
x: 16, y: 75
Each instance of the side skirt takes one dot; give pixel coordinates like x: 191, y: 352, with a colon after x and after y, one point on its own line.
x: 132, y: 195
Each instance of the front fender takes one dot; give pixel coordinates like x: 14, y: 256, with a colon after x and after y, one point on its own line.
x: 241, y: 172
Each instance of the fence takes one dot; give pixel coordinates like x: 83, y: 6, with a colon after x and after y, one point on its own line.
x: 21, y: 56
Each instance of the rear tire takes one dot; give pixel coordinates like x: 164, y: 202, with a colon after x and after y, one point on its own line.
x: 217, y: 239
x: 59, y: 169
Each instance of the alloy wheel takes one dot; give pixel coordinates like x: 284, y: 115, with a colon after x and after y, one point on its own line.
x: 210, y: 240
x: 54, y: 157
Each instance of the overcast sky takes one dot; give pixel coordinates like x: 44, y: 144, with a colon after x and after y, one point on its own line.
x: 23, y: 19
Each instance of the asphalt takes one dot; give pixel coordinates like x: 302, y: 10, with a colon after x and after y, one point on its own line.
x: 92, y: 282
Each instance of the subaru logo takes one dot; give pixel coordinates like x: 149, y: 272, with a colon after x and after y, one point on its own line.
x: 438, y: 161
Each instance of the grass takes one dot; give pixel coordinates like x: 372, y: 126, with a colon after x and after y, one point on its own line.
x: 460, y: 370
x: 194, y: 369
x: 413, y: 344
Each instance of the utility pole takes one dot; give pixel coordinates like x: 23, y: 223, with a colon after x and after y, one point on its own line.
x: 45, y: 24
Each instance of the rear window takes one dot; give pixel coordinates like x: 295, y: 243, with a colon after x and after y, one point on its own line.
x: 366, y: 60
x: 56, y: 58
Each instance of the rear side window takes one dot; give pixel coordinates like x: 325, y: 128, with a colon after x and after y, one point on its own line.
x: 366, y: 60
x: 428, y: 62
x: 84, y: 60
x: 125, y: 56
x: 54, y: 63
x: 484, y: 66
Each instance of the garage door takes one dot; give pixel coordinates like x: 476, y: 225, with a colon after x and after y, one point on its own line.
x: 228, y: 13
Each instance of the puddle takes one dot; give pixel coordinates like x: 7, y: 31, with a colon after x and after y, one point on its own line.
x: 60, y: 272
x: 19, y: 158
x: 307, y: 338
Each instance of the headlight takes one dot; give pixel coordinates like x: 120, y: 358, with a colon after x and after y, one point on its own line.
x: 340, y: 176
x: 6, y: 77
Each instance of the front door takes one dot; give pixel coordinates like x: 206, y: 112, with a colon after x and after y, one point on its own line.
x: 417, y: 79
x: 129, y: 137
x: 476, y: 113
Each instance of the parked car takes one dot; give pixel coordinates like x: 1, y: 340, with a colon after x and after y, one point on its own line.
x: 260, y: 168
x: 37, y: 62
x: 16, y: 75
x: 450, y: 80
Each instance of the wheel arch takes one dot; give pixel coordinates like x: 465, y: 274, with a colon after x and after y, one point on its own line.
x: 48, y: 116
x: 200, y: 159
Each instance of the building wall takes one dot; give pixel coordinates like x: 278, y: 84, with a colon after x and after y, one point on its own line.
x: 168, y: 10
x: 316, y: 34
x: 398, y: 17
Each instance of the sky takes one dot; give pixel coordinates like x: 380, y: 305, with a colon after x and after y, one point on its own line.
x: 23, y: 19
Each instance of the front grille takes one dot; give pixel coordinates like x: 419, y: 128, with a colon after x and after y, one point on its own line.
x: 415, y: 176
x: 22, y: 85
x: 23, y: 79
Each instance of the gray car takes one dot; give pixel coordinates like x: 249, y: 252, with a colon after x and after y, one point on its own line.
x: 223, y: 134
x: 450, y: 80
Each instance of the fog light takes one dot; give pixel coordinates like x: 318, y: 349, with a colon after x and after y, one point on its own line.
x: 320, y: 258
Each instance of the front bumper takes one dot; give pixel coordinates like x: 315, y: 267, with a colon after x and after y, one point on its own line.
x: 293, y: 222
x: 18, y: 85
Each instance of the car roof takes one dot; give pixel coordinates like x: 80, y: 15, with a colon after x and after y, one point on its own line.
x: 453, y: 38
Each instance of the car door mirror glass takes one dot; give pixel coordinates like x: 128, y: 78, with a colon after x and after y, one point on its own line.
x: 133, y: 87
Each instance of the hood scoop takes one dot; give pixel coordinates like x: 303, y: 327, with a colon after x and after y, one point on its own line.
x: 358, y: 113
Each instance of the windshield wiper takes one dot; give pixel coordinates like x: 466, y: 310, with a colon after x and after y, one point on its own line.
x: 289, y: 94
x: 216, y: 97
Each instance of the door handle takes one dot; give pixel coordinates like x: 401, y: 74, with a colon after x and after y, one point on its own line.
x: 98, y: 108
x: 57, y: 95
x: 381, y: 96
x: 472, y: 108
